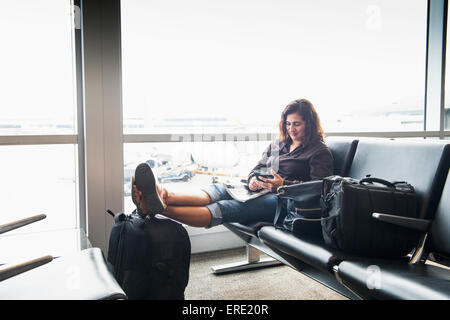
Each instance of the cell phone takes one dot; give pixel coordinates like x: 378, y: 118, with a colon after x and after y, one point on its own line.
x: 263, y: 174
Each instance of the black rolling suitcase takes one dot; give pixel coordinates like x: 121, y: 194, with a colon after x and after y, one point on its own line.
x: 347, y: 222
x: 150, y: 256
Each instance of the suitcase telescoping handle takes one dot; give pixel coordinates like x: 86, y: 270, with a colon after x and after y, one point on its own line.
x: 117, y: 217
x: 377, y: 180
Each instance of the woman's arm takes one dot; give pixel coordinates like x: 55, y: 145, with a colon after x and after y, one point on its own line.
x: 262, y: 163
x: 290, y: 182
x: 321, y: 164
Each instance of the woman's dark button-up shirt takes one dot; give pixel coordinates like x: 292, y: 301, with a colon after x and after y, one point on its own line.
x: 304, y: 163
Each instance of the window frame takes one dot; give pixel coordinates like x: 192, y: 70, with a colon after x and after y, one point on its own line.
x: 77, y: 140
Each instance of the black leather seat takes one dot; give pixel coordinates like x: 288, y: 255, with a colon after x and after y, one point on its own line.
x: 80, y: 276
x: 422, y: 164
x: 394, y: 280
x: 390, y: 280
x: 246, y: 230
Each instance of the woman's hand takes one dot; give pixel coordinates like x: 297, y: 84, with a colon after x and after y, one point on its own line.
x: 273, y: 184
x: 255, y: 184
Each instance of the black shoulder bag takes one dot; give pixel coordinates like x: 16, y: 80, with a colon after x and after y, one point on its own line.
x: 300, y: 206
x: 348, y: 221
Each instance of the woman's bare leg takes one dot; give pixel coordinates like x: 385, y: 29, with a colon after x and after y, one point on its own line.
x: 191, y: 198
x: 191, y: 215
x: 188, y: 208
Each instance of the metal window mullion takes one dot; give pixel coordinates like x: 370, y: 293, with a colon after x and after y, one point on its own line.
x: 387, y: 134
x: 81, y: 161
x: 435, y: 66
x: 191, y: 137
x: 196, y: 137
x: 38, y: 139
x: 444, y: 62
x: 102, y: 115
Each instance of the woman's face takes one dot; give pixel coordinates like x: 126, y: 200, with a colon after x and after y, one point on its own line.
x: 295, y: 126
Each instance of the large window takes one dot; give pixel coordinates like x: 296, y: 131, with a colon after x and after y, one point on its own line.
x: 231, y: 66
x: 199, y: 163
x: 38, y: 131
x: 36, y: 64
x: 39, y: 179
x: 447, y: 82
x: 194, y: 69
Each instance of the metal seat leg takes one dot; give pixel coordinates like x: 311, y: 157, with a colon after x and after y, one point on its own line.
x: 253, y: 261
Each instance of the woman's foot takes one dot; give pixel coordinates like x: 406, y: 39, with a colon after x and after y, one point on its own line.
x: 149, y: 194
x: 163, y: 194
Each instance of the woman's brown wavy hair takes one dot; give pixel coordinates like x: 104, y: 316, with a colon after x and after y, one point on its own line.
x: 313, y: 127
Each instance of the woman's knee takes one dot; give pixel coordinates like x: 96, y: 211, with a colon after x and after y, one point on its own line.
x: 215, y: 192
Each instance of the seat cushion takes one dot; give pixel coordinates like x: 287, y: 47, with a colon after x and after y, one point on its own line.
x: 250, y: 228
x: 378, y: 279
x: 80, y: 276
x: 311, y: 251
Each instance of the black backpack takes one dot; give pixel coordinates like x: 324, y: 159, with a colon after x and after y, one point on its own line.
x: 149, y: 256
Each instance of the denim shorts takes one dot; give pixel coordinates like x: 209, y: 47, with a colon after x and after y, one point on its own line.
x: 224, y: 209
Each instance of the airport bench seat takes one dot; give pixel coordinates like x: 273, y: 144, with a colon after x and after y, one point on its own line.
x: 80, y: 276
x: 425, y: 166
x: 83, y: 275
x: 313, y: 252
x: 381, y: 279
x: 388, y: 280
x: 384, y: 159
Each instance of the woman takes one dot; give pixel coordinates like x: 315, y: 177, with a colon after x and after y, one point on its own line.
x: 299, y: 154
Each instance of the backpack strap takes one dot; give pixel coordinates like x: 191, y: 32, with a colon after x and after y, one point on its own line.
x: 278, y: 211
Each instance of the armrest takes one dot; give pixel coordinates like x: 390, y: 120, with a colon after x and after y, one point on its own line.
x: 410, y: 223
x: 298, y: 188
x: 20, y: 223
x: 23, y: 267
